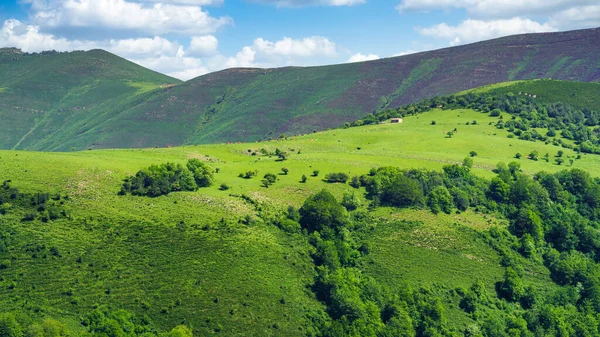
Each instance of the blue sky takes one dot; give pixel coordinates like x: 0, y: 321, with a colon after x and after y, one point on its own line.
x: 187, y: 38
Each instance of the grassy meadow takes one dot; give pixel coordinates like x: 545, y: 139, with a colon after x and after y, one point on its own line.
x: 204, y: 259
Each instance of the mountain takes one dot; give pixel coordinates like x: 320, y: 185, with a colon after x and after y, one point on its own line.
x: 428, y: 243
x: 252, y: 104
x: 50, y: 97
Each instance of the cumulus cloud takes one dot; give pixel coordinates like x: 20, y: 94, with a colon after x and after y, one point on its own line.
x: 358, y: 57
x: 15, y: 33
x: 147, y: 18
x: 494, y: 8
x: 477, y: 30
x: 204, y: 45
x: 303, y: 3
x: 576, y: 17
x: 287, y: 51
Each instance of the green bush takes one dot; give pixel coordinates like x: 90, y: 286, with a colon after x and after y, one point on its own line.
x: 339, y: 177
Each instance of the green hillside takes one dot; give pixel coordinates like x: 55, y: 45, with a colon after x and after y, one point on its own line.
x: 471, y: 252
x: 257, y: 104
x: 50, y: 98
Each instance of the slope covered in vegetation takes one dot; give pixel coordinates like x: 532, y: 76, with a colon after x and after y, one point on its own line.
x: 381, y: 229
x: 48, y: 99
x: 257, y: 104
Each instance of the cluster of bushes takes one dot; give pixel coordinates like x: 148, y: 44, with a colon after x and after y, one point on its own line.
x: 162, y: 179
x: 31, y: 206
x: 98, y: 323
x: 339, y: 177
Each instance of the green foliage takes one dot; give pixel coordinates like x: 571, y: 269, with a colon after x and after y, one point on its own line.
x: 159, y: 180
x: 439, y: 199
x: 203, y: 174
x: 9, y: 327
x: 339, y: 177
x: 322, y: 210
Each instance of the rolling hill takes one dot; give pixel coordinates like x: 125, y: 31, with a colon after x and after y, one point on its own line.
x: 256, y: 104
x: 48, y: 98
x: 517, y: 256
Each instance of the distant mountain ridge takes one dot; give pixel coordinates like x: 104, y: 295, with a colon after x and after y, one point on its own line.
x: 135, y: 107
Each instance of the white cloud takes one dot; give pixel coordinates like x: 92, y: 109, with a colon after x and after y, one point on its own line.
x: 477, y: 30
x: 14, y: 33
x: 142, y: 47
x: 303, y: 3
x: 407, y: 52
x: 204, y: 45
x: 576, y: 17
x: 186, y: 2
x: 287, y: 51
x: 306, y: 47
x: 494, y: 8
x: 146, y: 18
x: 358, y: 57
x: 172, y: 58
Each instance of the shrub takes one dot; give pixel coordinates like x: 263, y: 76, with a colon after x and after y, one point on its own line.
x: 518, y: 155
x: 224, y: 187
x: 315, y: 173
x: 270, y: 177
x: 473, y: 154
x: 285, y: 170
x: 433, y: 122
x: 161, y: 179
x: 339, y: 177
x: 303, y: 179
x: 350, y: 201
x: 355, y: 182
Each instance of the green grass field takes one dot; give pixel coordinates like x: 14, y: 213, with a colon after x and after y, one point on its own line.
x: 190, y: 256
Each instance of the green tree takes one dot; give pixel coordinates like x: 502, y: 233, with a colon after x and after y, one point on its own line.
x: 179, y: 331
x: 499, y: 190
x: 440, y: 200
x: 285, y: 170
x: 304, y: 178
x: 512, y: 287
x: 9, y: 327
x: 322, y: 210
x: 203, y: 174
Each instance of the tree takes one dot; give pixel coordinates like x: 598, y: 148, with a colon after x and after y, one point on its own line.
x: 440, y: 200
x: 9, y: 327
x: 350, y: 201
x: 303, y: 179
x: 449, y: 134
x: 518, y: 155
x: 473, y: 154
x: 559, y: 161
x: 315, y: 173
x: 322, y: 210
x: 285, y: 170
x: 203, y: 174
x: 433, y: 122
x: 560, y: 153
x: 499, y: 190
x: 512, y: 288
x: 179, y: 331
